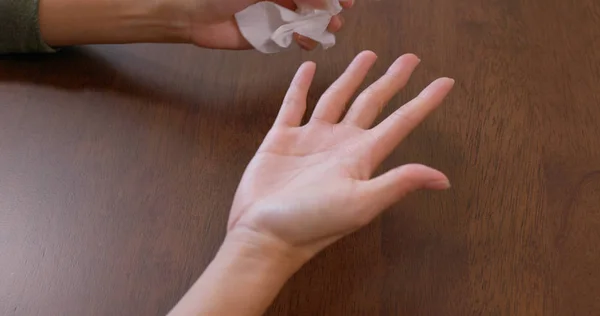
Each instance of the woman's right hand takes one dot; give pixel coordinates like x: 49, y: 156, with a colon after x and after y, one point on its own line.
x: 310, y: 185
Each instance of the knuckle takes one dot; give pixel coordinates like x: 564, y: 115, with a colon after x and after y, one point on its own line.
x: 334, y: 90
x: 372, y: 136
x: 404, y: 116
x: 370, y: 94
x: 397, y: 78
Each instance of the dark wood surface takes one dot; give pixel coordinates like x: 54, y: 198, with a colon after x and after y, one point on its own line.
x: 118, y: 165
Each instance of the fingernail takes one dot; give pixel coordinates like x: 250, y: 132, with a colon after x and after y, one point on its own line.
x: 305, y: 42
x: 446, y: 184
x: 440, y: 185
x: 304, y: 45
x: 302, y: 38
x: 342, y: 20
x: 299, y: 39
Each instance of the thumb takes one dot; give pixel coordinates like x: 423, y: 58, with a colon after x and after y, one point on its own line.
x: 393, y: 185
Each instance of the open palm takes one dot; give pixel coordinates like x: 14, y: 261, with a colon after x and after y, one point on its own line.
x: 311, y: 185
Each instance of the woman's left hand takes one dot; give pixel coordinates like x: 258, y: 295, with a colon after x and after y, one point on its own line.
x: 212, y: 22
x: 205, y: 23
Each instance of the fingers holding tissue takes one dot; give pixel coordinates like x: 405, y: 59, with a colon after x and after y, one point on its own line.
x: 271, y: 27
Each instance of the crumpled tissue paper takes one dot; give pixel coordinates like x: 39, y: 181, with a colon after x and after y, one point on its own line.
x: 269, y: 27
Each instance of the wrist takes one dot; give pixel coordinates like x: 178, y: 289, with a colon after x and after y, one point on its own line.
x: 72, y: 22
x: 243, y: 279
x: 262, y: 252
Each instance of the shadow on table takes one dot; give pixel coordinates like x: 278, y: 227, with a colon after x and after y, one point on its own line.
x: 77, y: 69
x: 210, y: 86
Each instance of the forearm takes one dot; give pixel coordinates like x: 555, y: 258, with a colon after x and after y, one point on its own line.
x: 76, y: 22
x: 243, y: 279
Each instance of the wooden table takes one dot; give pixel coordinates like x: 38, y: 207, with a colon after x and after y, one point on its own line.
x: 118, y: 165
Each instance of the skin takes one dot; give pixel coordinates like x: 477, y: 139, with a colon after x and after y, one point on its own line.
x: 205, y: 23
x: 309, y: 186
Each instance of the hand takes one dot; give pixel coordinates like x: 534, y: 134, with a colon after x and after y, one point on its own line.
x: 310, y: 185
x: 206, y: 23
x: 213, y: 24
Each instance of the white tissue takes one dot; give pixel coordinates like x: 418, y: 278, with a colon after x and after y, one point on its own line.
x: 269, y: 27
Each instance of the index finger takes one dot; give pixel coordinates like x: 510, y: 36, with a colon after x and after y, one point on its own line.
x: 389, y: 133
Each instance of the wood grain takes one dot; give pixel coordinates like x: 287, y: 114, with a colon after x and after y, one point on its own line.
x: 118, y: 165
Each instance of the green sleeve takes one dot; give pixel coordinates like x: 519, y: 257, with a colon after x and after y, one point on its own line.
x: 19, y: 27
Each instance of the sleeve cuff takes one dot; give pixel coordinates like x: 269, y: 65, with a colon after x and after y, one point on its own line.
x: 20, y: 29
